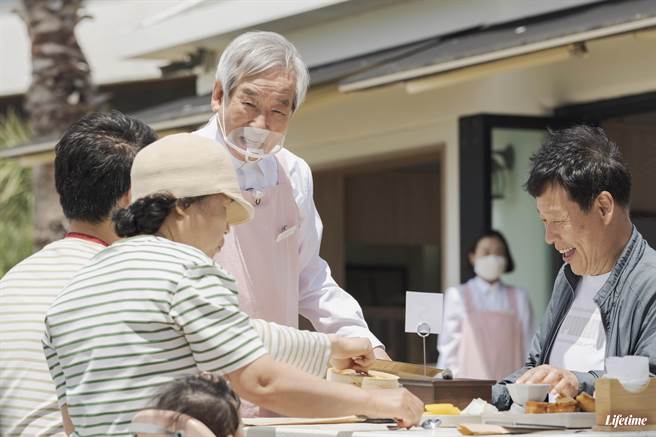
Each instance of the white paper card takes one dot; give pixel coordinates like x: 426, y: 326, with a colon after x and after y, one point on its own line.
x: 423, y: 308
x: 631, y: 370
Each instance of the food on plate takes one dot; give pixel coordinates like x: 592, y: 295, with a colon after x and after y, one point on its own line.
x: 442, y: 409
x: 583, y: 402
x: 534, y: 407
x: 586, y: 402
x: 478, y: 407
x: 563, y: 405
x: 370, y: 380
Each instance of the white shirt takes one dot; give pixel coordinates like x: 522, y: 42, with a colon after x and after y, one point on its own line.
x: 580, y: 344
x: 487, y: 297
x: 321, y: 300
x: 28, y: 403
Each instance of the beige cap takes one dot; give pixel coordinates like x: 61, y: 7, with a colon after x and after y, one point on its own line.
x: 187, y: 165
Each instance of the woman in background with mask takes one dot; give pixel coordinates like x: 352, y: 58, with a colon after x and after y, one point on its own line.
x: 487, y: 324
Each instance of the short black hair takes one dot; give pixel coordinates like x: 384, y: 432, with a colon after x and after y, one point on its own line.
x: 492, y: 233
x: 93, y: 160
x: 585, y: 162
x: 206, y: 398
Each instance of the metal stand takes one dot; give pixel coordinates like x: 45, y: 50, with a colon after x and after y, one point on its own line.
x: 423, y: 330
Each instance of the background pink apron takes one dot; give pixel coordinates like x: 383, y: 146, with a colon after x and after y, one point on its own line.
x: 491, y: 344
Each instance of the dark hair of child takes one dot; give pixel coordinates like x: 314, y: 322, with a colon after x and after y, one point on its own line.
x: 205, y: 397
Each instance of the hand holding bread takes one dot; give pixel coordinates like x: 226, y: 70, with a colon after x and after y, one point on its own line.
x: 351, y: 353
x: 564, y: 382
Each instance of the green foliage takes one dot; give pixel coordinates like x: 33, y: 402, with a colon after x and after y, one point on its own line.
x: 16, y: 198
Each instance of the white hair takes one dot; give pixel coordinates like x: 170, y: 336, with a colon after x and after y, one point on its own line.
x: 254, y: 53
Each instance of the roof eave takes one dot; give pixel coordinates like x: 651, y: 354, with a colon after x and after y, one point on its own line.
x: 415, y: 73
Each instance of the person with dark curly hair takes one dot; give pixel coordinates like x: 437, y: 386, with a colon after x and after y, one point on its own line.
x: 92, y: 176
x: 602, y: 303
x: 177, y: 406
x: 155, y: 306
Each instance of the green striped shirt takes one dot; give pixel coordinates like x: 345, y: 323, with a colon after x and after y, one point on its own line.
x: 144, y: 311
x: 307, y: 351
x: 28, y: 404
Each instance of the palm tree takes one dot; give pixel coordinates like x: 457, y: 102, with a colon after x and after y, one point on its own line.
x: 61, y: 92
x: 15, y: 197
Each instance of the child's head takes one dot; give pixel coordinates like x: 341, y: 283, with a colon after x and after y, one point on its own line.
x: 205, y: 397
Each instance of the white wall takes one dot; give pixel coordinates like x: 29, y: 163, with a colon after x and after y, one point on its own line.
x: 334, y: 128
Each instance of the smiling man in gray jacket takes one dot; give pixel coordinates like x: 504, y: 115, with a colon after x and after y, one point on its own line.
x: 604, y: 297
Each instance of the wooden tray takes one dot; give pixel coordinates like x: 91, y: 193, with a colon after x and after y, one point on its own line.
x: 458, y: 392
x: 280, y: 421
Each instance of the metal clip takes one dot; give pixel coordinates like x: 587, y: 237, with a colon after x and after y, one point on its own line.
x: 258, y: 195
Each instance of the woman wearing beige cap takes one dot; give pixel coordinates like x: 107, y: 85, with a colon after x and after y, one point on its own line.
x: 154, y: 306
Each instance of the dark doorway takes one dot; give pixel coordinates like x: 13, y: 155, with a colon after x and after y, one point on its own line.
x: 382, y: 237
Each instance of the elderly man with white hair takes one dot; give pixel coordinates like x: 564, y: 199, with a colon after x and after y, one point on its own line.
x: 261, y: 82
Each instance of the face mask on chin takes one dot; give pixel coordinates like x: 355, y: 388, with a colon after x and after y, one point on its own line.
x: 252, y: 143
x: 490, y: 267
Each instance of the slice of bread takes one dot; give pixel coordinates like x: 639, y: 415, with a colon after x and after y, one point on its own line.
x: 586, y: 402
x: 533, y: 407
x: 563, y: 405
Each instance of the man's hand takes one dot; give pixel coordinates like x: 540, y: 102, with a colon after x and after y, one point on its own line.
x: 563, y: 382
x: 351, y: 353
x: 380, y: 354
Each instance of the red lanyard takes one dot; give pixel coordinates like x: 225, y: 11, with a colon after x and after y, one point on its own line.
x: 87, y: 237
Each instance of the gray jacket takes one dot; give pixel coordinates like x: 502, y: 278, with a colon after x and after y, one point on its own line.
x: 627, y: 303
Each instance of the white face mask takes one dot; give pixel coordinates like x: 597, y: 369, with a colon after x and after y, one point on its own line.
x: 252, y: 143
x: 490, y: 267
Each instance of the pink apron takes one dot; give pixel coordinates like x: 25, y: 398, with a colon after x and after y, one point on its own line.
x: 491, y: 344
x: 262, y: 255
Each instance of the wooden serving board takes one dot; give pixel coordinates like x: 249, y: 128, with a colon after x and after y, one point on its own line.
x: 279, y: 421
x: 407, y: 371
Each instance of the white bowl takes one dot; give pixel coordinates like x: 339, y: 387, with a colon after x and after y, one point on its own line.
x: 523, y: 393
